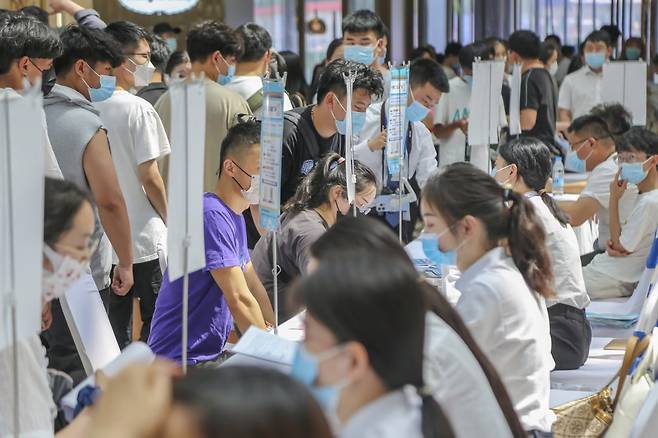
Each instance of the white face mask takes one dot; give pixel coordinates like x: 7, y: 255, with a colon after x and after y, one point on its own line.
x: 66, y: 271
x: 552, y: 69
x: 252, y: 194
x: 143, y: 73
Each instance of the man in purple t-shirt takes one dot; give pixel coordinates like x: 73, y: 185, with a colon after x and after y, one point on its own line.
x: 227, y: 290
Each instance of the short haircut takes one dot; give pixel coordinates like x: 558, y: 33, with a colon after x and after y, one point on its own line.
x: 640, y: 139
x: 333, y: 46
x: 362, y: 21
x: 526, y: 43
x: 366, y: 78
x: 469, y: 53
x: 492, y: 41
x: 419, y: 51
x: 616, y: 117
x: 160, y: 52
x: 127, y: 34
x: 590, y: 125
x: 256, y: 41
x: 568, y: 51
x: 239, y: 138
x: 36, y: 12
x: 423, y: 71
x: 612, y: 31
x: 23, y: 35
x: 546, y: 50
x: 554, y: 38
x: 453, y: 48
x: 177, y: 58
x: 90, y: 45
x: 209, y: 36
x: 599, y: 36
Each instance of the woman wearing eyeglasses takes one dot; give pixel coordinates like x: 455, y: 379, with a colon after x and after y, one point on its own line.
x: 320, y: 199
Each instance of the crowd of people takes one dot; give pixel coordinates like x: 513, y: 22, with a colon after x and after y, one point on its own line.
x: 385, y: 354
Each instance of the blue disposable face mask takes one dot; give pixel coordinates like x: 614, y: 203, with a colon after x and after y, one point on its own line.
x: 362, y: 54
x: 469, y: 80
x: 305, y: 368
x: 576, y: 164
x: 494, y: 172
x: 595, y: 60
x: 634, y: 173
x: 382, y: 59
x: 430, y: 242
x: 633, y: 53
x: 416, y: 112
x: 224, y: 79
x: 358, y: 120
x: 108, y: 85
x: 172, y: 43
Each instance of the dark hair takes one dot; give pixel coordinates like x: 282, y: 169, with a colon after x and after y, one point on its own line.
x: 250, y: 402
x: 592, y: 125
x: 207, y: 37
x: 238, y: 138
x: 612, y: 31
x: 525, y: 43
x: 277, y: 64
x: 366, y: 78
x: 640, y: 139
x: 313, y: 191
x: 462, y: 189
x: 423, y: 71
x: 533, y: 163
x: 452, y: 48
x: 469, y: 53
x: 62, y: 200
x: 419, y: 51
x: 23, y: 35
x: 36, y: 12
x: 362, y: 21
x: 616, y: 117
x: 333, y: 46
x: 555, y: 39
x: 256, y: 41
x: 371, y: 310
x: 127, y: 34
x: 568, y: 51
x: 633, y: 41
x: 160, y: 53
x: 177, y: 58
x: 599, y: 36
x: 374, y: 237
x: 492, y: 41
x: 90, y: 45
x: 295, y: 82
x: 546, y: 50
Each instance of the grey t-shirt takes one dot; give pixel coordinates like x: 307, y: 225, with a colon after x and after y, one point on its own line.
x: 294, y: 238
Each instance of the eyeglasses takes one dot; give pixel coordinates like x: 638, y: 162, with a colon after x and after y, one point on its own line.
x: 146, y: 56
x: 629, y: 158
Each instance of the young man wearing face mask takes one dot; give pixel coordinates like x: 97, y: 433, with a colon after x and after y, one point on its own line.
x: 427, y: 83
x: 82, y: 149
x: 581, y: 90
x: 452, y: 111
x: 615, y: 273
x: 252, y: 65
x: 227, y: 290
x: 213, y: 48
x: 138, y: 140
x: 160, y: 54
x: 592, y: 142
x: 29, y: 47
x: 364, y: 36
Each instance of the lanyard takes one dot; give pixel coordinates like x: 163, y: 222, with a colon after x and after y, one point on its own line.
x: 407, y: 145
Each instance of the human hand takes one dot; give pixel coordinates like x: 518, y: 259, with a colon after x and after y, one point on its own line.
x: 378, y: 142
x: 617, y: 188
x: 122, y: 279
x: 463, y: 125
x: 46, y: 317
x: 58, y: 6
x: 613, y: 251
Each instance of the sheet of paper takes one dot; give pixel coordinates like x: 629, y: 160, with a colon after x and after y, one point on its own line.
x: 625, y: 82
x: 484, y: 105
x: 267, y: 346
x: 21, y: 213
x: 271, y: 137
x: 90, y: 327
x: 188, y: 118
x: 396, y: 127
x: 515, y: 101
x: 137, y: 352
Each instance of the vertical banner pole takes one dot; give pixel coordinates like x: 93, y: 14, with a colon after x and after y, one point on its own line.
x: 186, y: 239
x: 349, y: 79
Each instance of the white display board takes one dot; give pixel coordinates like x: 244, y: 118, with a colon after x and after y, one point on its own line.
x: 484, y: 106
x: 625, y: 82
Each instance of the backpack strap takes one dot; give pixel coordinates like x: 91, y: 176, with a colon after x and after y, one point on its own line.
x: 294, y: 117
x: 255, y: 101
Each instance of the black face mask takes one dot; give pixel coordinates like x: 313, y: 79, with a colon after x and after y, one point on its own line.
x: 48, y: 79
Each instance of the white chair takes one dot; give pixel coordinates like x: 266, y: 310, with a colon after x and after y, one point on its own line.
x: 646, y: 423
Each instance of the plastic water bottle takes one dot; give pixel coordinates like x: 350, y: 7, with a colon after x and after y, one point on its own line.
x: 558, y: 176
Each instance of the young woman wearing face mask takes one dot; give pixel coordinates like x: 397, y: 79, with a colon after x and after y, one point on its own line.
x: 68, y: 226
x: 320, y: 199
x: 364, y: 369
x: 499, y: 247
x: 455, y: 369
x: 525, y: 166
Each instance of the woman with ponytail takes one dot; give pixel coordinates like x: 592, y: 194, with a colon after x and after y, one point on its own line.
x: 362, y: 355
x: 499, y: 247
x: 320, y: 198
x: 525, y: 165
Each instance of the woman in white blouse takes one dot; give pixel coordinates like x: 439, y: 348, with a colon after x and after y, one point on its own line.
x: 499, y: 247
x: 525, y: 164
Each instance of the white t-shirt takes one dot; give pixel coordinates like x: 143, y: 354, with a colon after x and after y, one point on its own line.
x: 454, y: 106
x: 580, y: 91
x: 637, y: 233
x: 457, y: 380
x: 247, y: 86
x: 510, y: 324
x: 136, y: 136
x: 598, y: 188
x: 563, y: 248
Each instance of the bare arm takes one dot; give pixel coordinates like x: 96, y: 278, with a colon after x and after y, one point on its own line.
x: 259, y: 292
x: 564, y: 115
x: 445, y: 131
x: 581, y: 210
x: 99, y: 170
x: 241, y: 302
x: 617, y: 189
x: 528, y: 119
x: 149, y: 176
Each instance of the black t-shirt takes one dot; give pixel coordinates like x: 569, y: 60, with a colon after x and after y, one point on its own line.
x: 538, y: 93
